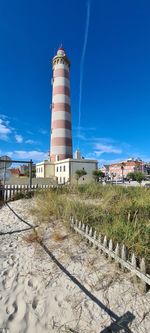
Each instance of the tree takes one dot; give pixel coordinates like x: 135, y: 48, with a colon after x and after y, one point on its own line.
x: 122, y: 169
x: 80, y: 173
x: 98, y: 174
x: 136, y: 176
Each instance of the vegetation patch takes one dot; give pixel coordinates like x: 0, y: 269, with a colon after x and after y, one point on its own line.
x: 120, y: 213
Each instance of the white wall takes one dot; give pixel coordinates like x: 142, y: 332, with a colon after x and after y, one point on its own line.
x: 40, y: 170
x: 89, y: 167
x: 66, y: 170
x: 70, y: 169
x: 62, y: 172
x: 45, y: 170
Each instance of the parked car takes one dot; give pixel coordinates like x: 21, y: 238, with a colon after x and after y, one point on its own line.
x: 147, y: 185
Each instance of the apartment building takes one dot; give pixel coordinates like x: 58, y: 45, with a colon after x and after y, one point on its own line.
x: 116, y: 170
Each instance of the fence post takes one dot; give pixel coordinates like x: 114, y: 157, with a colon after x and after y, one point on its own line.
x: 94, y: 236
x: 117, y: 253
x: 110, y: 247
x: 79, y: 225
x: 83, y: 227
x: 76, y: 225
x: 90, y: 234
x: 71, y: 221
x: 5, y: 192
x: 86, y: 229
x: 100, y: 242
x: 133, y: 261
x: 30, y: 173
x: 105, y: 242
x: 12, y: 191
x: 143, y: 270
x: 134, y: 264
x: 100, y: 238
x: 123, y: 255
x: 117, y: 250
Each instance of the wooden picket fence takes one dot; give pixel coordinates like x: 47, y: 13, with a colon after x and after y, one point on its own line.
x: 112, y: 251
x: 9, y: 192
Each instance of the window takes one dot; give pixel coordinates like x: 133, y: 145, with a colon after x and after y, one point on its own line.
x: 57, y: 169
x: 41, y: 169
x: 60, y: 168
x: 83, y: 178
x: 64, y: 168
x: 64, y: 180
x: 83, y: 168
x: 60, y: 179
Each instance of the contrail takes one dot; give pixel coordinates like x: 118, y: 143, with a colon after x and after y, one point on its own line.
x: 82, y: 64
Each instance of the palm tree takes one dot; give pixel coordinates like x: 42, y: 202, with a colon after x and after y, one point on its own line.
x: 122, y: 169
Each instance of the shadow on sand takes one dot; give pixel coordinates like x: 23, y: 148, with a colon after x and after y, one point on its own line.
x: 14, y: 231
x: 119, y: 324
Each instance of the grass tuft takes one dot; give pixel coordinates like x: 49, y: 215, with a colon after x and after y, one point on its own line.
x: 33, y: 237
x: 120, y: 213
x: 57, y: 236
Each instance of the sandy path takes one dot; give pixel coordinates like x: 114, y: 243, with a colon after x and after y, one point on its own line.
x: 38, y: 296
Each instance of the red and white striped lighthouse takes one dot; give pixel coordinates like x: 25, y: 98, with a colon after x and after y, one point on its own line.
x: 61, y: 123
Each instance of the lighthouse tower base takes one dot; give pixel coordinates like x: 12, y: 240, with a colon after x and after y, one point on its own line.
x: 64, y: 171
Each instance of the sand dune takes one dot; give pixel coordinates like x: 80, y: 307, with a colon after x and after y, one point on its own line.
x: 37, y: 295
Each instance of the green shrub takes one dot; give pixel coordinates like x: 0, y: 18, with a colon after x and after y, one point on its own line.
x: 120, y: 213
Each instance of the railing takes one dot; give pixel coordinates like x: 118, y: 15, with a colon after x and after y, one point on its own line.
x: 9, y: 192
x: 116, y: 252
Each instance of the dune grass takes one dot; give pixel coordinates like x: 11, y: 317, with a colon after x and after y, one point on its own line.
x: 120, y: 213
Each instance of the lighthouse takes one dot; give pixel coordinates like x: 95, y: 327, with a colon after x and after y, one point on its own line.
x: 61, y: 123
x: 61, y: 167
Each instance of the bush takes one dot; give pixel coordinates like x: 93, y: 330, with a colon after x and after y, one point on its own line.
x: 120, y: 213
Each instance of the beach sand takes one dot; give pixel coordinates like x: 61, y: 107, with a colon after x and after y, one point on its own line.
x: 71, y: 289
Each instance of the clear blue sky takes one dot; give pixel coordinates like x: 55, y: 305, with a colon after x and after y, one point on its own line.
x: 115, y: 108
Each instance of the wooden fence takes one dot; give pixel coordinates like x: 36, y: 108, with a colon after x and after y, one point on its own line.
x: 115, y: 252
x: 9, y: 192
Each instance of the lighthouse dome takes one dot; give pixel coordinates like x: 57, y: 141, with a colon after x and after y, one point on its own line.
x: 61, y: 52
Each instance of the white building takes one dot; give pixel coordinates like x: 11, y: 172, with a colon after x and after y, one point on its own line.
x: 65, y: 170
